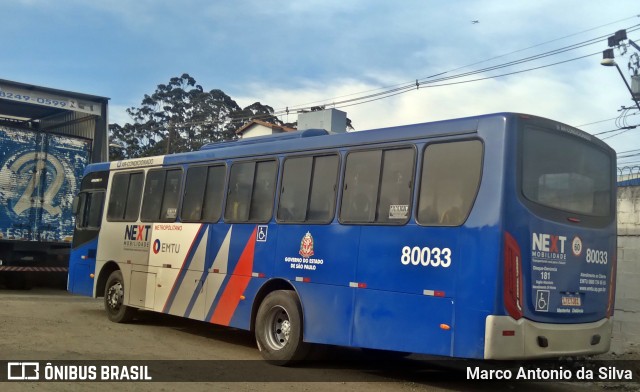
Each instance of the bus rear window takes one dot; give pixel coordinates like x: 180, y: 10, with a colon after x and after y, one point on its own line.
x: 566, y: 173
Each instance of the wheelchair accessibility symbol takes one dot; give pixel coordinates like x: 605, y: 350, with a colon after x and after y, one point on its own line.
x: 261, y: 235
x: 542, y: 300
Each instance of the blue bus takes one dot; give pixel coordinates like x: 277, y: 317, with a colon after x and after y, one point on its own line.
x: 483, y: 237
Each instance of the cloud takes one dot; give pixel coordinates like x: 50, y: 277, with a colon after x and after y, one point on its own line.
x: 543, y: 93
x: 293, y: 53
x: 118, y: 114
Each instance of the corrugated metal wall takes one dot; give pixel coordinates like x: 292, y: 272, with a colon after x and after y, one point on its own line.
x: 71, y: 123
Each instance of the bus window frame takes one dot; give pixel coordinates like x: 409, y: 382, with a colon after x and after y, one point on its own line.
x: 382, y: 148
x: 166, y: 169
x: 332, y: 215
x: 108, y: 200
x: 83, y: 204
x: 419, y: 179
x: 228, y: 188
x: 556, y: 214
x: 224, y: 190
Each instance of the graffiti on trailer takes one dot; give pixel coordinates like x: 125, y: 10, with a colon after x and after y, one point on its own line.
x: 39, y: 177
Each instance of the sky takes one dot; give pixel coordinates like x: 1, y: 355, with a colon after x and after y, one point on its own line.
x: 301, y: 53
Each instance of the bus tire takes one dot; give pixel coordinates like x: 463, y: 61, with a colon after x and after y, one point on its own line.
x: 278, y: 328
x: 114, y: 297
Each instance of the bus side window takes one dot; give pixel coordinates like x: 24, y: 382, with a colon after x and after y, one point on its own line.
x: 396, y: 186
x: 308, y: 189
x: 124, y: 198
x: 251, y: 191
x: 152, y: 199
x: 214, y: 193
x: 171, y: 194
x: 239, y: 193
x: 204, y: 190
x: 262, y: 196
x: 161, y: 193
x: 294, y: 194
x: 94, y: 205
x: 324, y: 184
x: 118, y: 196
x: 81, y: 210
x: 378, y: 186
x: 134, y: 197
x: 193, y: 194
x: 362, y: 174
x: 450, y: 179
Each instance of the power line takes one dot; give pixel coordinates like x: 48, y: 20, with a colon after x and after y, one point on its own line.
x: 619, y: 130
x: 629, y: 156
x: 624, y: 152
x: 418, y: 84
x: 547, y: 42
x: 427, y: 82
x: 478, y: 79
x: 434, y: 81
x: 601, y: 121
x: 406, y: 87
x: 411, y: 83
x: 537, y: 56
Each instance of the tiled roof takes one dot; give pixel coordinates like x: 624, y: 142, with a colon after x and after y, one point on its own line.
x: 263, y: 123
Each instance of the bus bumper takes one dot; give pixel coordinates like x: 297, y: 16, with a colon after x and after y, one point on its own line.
x: 506, y: 338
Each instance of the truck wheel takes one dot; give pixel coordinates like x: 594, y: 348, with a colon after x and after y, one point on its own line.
x: 114, y: 297
x: 279, y: 328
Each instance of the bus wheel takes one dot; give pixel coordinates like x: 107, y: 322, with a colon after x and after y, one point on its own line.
x: 114, y: 297
x: 279, y: 328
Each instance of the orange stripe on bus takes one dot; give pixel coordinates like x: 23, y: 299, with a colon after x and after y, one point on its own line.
x: 238, y: 282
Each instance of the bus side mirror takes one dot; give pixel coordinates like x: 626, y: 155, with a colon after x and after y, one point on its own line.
x: 75, y: 205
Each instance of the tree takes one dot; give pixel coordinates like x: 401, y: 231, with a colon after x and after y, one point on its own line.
x: 180, y: 116
x: 256, y: 111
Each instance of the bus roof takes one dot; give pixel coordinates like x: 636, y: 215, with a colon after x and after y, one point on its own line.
x: 319, y: 139
x: 266, y: 138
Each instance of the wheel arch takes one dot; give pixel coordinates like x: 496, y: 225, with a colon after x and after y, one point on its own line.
x: 266, y: 289
x: 101, y: 283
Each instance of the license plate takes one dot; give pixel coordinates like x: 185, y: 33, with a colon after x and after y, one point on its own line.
x: 571, y: 301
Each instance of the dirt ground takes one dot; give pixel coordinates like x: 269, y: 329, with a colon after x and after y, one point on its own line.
x: 52, y: 325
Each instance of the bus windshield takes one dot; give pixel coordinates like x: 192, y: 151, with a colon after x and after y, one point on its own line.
x: 562, y: 172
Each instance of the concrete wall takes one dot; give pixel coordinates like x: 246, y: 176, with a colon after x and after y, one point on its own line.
x: 626, y: 325
x: 332, y: 120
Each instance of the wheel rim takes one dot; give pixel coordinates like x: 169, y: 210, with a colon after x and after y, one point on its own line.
x: 114, y: 296
x: 277, y: 328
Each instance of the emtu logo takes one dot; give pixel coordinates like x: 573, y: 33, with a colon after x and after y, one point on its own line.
x: 549, y: 243
x: 165, y: 247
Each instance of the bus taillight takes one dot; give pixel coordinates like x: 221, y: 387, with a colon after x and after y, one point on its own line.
x: 512, y: 277
x: 612, y: 285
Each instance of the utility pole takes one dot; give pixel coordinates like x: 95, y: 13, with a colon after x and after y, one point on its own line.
x: 634, y: 63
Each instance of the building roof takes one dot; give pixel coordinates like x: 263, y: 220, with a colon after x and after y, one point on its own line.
x: 31, y: 111
x: 275, y: 127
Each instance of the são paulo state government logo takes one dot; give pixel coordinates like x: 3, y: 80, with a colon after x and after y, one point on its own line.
x: 306, y: 246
